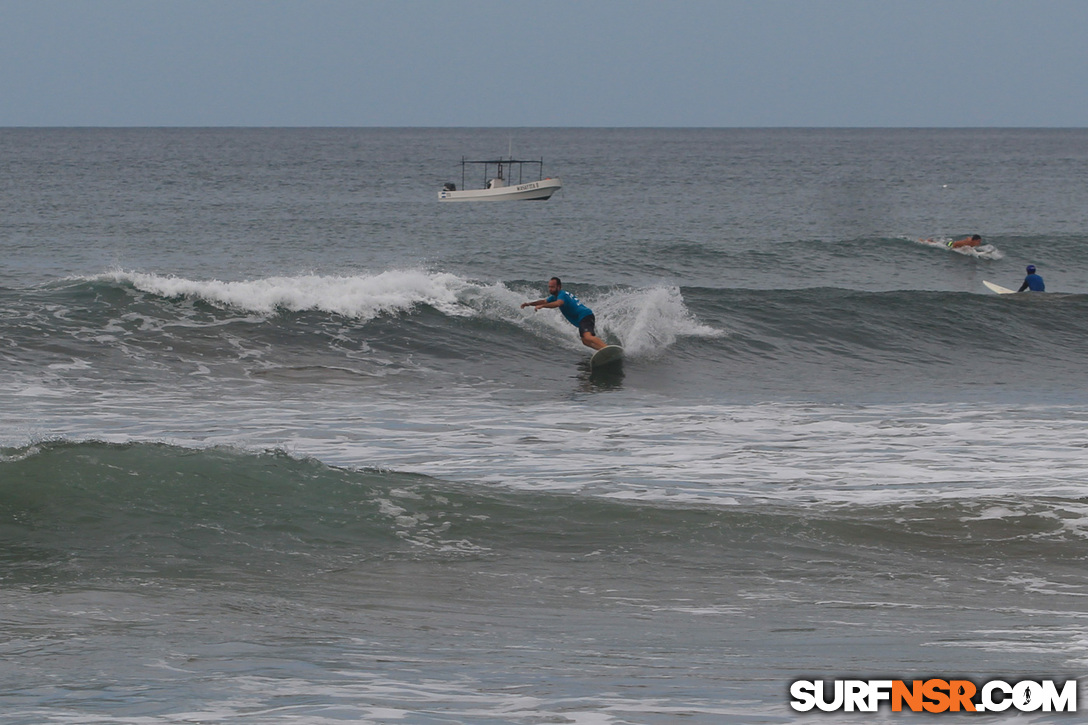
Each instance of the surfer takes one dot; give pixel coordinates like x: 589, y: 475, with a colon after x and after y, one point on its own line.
x: 972, y: 241
x: 1032, y: 282
x: 576, y: 313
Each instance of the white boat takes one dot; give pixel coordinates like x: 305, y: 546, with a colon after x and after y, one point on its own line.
x: 499, y: 187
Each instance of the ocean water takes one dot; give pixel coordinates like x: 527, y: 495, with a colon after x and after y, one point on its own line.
x: 279, y: 445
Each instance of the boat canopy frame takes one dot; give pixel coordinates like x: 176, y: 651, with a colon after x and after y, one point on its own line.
x: 498, y: 164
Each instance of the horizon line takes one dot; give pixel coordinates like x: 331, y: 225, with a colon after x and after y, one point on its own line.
x: 470, y: 127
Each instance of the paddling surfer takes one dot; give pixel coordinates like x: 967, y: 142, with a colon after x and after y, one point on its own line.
x: 972, y: 241
x: 576, y: 313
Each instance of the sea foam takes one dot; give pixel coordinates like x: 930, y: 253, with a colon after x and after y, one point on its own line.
x: 649, y: 320
x: 363, y: 296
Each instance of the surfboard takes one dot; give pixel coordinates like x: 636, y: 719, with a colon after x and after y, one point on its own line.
x: 607, y: 355
x: 998, y: 288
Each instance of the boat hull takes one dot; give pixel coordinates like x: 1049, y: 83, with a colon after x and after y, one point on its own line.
x: 531, y: 191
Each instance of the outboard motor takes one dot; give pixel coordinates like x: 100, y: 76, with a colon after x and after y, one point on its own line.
x: 450, y: 186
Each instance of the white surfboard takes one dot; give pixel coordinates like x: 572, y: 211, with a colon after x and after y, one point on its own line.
x: 607, y: 355
x: 998, y: 288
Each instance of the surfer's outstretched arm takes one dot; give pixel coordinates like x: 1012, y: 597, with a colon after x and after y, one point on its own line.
x: 542, y: 304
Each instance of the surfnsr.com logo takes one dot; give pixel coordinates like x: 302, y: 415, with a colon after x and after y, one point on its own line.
x: 934, y: 695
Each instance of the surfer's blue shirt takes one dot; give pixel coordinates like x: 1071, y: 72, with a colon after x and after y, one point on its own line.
x: 1034, y: 283
x: 571, y: 308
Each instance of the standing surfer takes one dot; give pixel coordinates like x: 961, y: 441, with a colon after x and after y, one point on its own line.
x: 576, y: 313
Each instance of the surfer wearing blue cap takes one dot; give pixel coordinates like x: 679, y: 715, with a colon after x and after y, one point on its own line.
x: 1032, y: 282
x: 576, y: 313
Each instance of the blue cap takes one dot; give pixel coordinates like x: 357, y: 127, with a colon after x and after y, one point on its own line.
x: 1031, y: 269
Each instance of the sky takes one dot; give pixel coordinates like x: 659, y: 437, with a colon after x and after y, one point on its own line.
x: 535, y: 63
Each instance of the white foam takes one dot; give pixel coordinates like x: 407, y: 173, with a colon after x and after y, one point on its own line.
x: 76, y: 364
x: 983, y: 251
x: 38, y: 391
x: 650, y: 320
x: 994, y: 461
x: 359, y: 296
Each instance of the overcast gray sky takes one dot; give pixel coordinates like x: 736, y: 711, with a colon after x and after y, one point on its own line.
x: 510, y: 63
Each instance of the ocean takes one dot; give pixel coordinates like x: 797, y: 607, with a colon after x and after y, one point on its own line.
x: 279, y: 444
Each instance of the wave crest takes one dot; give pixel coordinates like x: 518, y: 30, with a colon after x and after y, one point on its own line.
x: 363, y: 297
x: 645, y: 321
